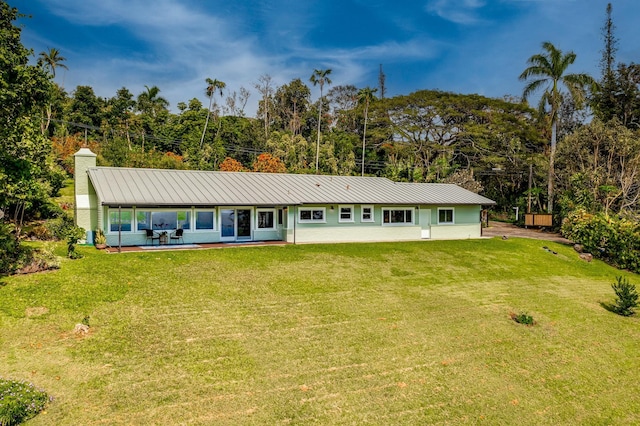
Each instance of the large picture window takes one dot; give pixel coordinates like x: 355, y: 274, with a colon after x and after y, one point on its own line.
x: 205, y: 220
x: 266, y: 218
x: 310, y: 215
x: 162, y: 220
x: 445, y: 216
x: 346, y: 213
x: 120, y: 220
x: 397, y: 216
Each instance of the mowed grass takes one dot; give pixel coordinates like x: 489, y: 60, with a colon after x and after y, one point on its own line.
x: 397, y: 333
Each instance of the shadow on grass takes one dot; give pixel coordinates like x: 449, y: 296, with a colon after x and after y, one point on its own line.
x: 609, y: 307
x: 616, y: 309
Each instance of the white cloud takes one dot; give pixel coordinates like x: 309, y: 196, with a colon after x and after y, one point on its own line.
x: 459, y: 11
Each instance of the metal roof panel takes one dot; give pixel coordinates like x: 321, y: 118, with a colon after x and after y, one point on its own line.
x: 158, y: 187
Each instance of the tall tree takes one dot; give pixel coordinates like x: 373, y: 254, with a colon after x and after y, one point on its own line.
x: 213, y: 86
x: 51, y: 60
x: 291, y: 105
x: 26, y: 168
x: 381, y: 80
x: 605, y: 104
x: 154, y: 109
x: 264, y: 86
x: 320, y: 77
x: 365, y: 97
x: 342, y: 101
x: 118, y: 113
x: 85, y: 108
x: 548, y: 70
x: 599, y: 169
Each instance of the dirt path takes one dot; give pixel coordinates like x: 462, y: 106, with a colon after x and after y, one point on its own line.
x: 500, y: 229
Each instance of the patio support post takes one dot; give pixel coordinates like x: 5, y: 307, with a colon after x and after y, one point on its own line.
x: 119, y: 229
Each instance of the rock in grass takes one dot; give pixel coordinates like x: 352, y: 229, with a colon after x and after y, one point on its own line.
x: 579, y: 248
x: 81, y: 329
x: 588, y: 257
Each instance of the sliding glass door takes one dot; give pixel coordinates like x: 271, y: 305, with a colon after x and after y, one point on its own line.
x: 235, y: 224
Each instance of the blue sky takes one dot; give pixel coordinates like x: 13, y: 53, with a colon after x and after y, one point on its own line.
x: 463, y: 46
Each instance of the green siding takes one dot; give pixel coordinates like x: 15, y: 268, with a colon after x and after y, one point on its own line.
x: 86, y: 200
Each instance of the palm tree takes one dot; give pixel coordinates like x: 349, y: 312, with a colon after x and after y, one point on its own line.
x: 150, y: 102
x: 319, y: 77
x: 213, y: 86
x: 52, y: 60
x: 548, y: 70
x: 365, y: 96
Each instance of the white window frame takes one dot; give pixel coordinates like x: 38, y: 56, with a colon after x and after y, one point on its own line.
x: 453, y: 215
x: 367, y: 206
x: 351, y: 218
x: 195, y: 218
x: 115, y: 210
x: 274, y: 221
x: 413, y: 216
x: 312, y: 209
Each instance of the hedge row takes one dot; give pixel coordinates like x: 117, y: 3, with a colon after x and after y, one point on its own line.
x: 612, y: 239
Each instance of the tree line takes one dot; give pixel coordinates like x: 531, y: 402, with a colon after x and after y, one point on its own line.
x: 579, y: 148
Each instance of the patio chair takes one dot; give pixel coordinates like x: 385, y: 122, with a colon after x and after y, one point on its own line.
x: 177, y: 235
x: 151, y: 235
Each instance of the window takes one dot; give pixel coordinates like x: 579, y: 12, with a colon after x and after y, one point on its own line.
x: 367, y: 214
x: 120, y: 220
x: 445, y: 216
x: 397, y: 216
x: 184, y: 221
x: 266, y: 218
x: 170, y: 220
x: 315, y: 214
x: 346, y: 213
x: 143, y: 220
x: 205, y: 220
x: 162, y: 220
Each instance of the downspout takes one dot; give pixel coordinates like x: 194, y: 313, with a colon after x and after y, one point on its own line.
x: 295, y: 215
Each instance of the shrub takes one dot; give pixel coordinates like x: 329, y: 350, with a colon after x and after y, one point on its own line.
x: 72, y: 240
x: 626, y: 297
x: 59, y: 227
x: 615, y: 240
x: 39, y: 232
x: 99, y: 237
x: 20, y: 401
x: 42, y: 259
x: 13, y: 256
x: 63, y: 228
x: 523, y: 318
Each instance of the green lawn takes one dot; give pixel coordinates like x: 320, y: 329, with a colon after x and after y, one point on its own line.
x: 405, y: 333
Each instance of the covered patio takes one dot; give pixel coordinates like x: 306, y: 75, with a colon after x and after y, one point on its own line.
x: 199, y: 246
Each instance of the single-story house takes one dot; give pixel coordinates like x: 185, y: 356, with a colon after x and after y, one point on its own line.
x: 234, y: 206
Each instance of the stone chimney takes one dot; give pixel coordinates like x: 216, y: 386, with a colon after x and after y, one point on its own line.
x: 86, y: 202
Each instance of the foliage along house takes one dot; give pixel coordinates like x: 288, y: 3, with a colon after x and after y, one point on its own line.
x: 241, y: 206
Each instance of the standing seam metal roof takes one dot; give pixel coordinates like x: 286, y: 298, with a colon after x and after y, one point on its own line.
x: 161, y: 187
